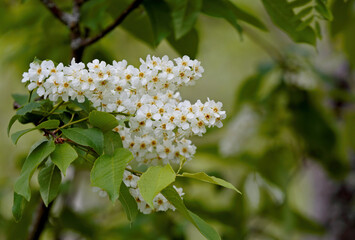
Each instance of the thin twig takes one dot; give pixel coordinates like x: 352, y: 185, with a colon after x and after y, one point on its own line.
x: 52, y: 111
x: 71, y: 123
x: 118, y: 21
x: 57, y: 12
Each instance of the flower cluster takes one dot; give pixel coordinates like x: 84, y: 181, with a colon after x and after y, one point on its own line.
x: 160, y: 123
x: 159, y: 201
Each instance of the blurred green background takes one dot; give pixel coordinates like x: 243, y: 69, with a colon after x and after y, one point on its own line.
x: 288, y: 142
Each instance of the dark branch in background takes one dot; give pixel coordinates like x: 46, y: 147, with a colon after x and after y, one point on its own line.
x: 117, y: 22
x: 72, y: 21
x: 58, y: 13
x: 40, y: 221
x: 75, y: 33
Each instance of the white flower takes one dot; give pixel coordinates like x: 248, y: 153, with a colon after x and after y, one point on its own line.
x: 129, y: 179
x: 161, y: 203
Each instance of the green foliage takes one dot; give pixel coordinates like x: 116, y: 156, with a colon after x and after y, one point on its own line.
x: 107, y: 172
x: 341, y: 27
x: 29, y: 107
x: 205, y: 178
x: 21, y: 99
x: 158, y: 12
x: 298, y: 18
x: 16, y: 136
x: 49, y: 179
x: 18, y: 206
x: 50, y: 124
x: 184, y: 15
x: 206, y: 230
x: 128, y: 203
x: 221, y: 9
x: 154, y: 180
x: 63, y: 156
x: 246, y: 17
x: 112, y: 141
x: 103, y: 120
x: 11, y: 122
x: 36, y: 157
x: 91, y: 137
x: 133, y: 24
x: 186, y: 45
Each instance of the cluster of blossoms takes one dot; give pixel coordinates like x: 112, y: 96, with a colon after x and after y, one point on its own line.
x: 160, y: 123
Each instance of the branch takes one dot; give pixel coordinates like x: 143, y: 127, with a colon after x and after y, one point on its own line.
x: 57, y: 12
x: 118, y: 21
x: 40, y: 221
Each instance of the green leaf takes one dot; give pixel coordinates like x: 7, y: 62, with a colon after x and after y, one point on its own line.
x: 187, y: 45
x: 21, y: 99
x: 36, y: 144
x: 184, y: 15
x: 91, y: 137
x: 22, y: 185
x: 112, y: 141
x: 282, y: 14
x: 133, y: 24
x: 204, y: 227
x: 63, y: 156
x: 93, y: 14
x: 210, y: 179
x: 49, y: 124
x: 16, y: 136
x: 299, y: 3
x: 221, y: 9
x: 103, y: 120
x: 159, y: 15
x: 303, y: 13
x: 244, y: 16
x: 342, y: 11
x: 174, y: 198
x: 107, y: 172
x: 86, y: 105
x: 18, y: 206
x: 29, y: 107
x: 129, y: 204
x: 154, y: 180
x: 49, y: 179
x: 323, y: 10
x: 11, y: 122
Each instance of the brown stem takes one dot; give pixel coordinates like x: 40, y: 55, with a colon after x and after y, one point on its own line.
x: 75, y: 34
x: 40, y: 221
x: 118, y: 21
x: 64, y: 17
